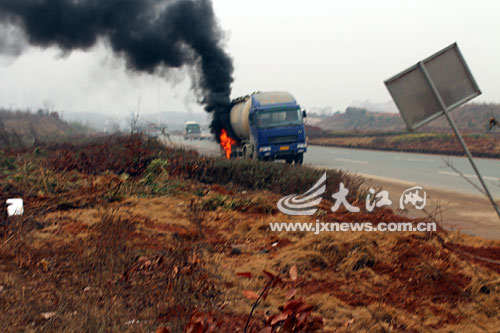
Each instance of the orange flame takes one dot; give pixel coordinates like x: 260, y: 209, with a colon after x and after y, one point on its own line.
x: 226, y: 141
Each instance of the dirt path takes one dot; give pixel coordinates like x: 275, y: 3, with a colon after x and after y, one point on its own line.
x: 471, y: 214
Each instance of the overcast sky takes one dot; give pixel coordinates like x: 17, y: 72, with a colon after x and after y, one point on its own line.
x: 326, y: 53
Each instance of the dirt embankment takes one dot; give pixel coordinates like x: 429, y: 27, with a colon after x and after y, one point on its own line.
x: 19, y: 128
x: 163, y: 242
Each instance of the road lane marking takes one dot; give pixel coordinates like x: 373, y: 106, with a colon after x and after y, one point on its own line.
x: 468, y: 175
x: 350, y: 161
x: 412, y: 159
x: 340, y: 152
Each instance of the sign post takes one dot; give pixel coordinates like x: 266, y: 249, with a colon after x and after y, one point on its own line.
x: 432, y: 88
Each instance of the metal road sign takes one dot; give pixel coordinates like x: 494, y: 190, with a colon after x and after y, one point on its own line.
x: 413, y: 89
x: 432, y: 88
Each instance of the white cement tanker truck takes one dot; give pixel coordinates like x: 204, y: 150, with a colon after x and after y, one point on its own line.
x: 269, y: 126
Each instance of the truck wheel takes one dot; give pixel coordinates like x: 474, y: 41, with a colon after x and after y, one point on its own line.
x: 299, y: 159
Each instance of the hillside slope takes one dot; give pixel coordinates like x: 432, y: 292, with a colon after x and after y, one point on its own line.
x: 19, y: 128
x: 124, y: 235
x: 472, y: 117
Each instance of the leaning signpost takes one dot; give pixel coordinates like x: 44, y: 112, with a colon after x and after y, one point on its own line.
x: 432, y: 88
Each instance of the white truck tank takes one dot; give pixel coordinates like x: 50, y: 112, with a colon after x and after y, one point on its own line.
x: 239, y: 112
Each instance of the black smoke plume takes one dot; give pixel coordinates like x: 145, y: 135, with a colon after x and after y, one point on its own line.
x: 149, y: 34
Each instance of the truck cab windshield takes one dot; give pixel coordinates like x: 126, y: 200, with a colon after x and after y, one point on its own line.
x: 278, y: 118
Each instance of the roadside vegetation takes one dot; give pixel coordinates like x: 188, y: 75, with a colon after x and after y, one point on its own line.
x: 123, y: 234
x: 142, y: 162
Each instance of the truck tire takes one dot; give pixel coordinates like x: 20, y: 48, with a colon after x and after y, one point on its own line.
x: 299, y: 159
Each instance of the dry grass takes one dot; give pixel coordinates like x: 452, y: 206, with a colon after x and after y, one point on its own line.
x: 108, y: 252
x: 155, y: 271
x: 109, y: 276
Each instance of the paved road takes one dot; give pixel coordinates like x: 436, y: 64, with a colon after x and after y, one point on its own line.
x: 421, y: 169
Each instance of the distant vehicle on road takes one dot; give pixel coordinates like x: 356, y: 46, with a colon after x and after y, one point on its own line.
x: 192, y: 131
x: 207, y: 135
